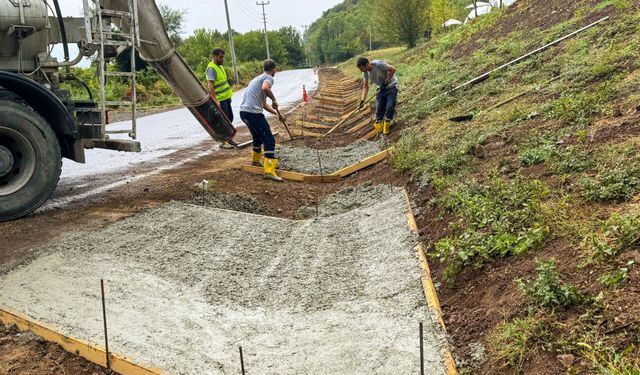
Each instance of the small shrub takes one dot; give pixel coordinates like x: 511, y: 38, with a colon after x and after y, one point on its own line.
x: 617, y: 233
x: 577, y: 109
x: 535, y: 155
x: 615, y: 278
x: 618, y: 184
x: 546, y: 290
x: 570, y: 160
x: 496, y: 219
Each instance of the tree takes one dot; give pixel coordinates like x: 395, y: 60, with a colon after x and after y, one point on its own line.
x: 405, y: 19
x: 292, y: 43
x: 173, y: 22
x: 196, y: 49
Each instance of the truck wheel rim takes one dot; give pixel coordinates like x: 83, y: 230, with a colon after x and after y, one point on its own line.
x: 21, y: 162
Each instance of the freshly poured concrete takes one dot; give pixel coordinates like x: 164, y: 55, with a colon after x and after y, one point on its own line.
x: 305, y: 160
x: 187, y: 285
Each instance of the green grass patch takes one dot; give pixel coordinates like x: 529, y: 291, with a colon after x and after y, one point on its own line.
x: 511, y: 342
x: 615, y: 235
x: 496, y: 218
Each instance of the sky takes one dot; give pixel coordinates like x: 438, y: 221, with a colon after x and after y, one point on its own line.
x: 245, y: 15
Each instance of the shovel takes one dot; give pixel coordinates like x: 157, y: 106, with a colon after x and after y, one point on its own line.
x: 281, y: 118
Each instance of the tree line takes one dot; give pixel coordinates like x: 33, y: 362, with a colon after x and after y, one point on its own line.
x: 355, y: 26
x: 285, y: 46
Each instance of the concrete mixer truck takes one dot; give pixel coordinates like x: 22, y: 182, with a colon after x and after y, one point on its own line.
x: 41, y: 123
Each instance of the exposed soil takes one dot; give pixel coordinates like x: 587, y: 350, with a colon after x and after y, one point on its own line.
x: 27, y: 354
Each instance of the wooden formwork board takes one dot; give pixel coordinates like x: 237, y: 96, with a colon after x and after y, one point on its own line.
x: 320, y: 119
x: 369, y: 136
x: 329, y: 178
x: 312, y: 125
x: 118, y: 363
x: 356, y: 117
x: 306, y: 133
x: 364, y: 123
x: 433, y: 302
x: 337, y: 102
x: 294, y: 176
x: 364, y: 163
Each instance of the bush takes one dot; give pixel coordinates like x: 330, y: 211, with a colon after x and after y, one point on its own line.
x: 617, y: 233
x: 496, y: 219
x: 617, y: 184
x: 546, y: 291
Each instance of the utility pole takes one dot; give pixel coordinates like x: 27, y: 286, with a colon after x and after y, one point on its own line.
x: 233, y: 48
x: 306, y: 47
x: 264, y: 19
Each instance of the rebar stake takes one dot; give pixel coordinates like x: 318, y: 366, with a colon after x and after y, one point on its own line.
x: 104, y: 319
x: 421, y: 350
x: 241, y: 360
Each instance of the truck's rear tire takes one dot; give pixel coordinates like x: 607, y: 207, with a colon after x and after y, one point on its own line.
x: 30, y: 160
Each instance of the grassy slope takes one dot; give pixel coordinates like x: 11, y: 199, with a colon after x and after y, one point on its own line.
x: 553, y: 175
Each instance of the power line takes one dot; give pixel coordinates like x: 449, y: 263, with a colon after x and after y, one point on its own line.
x: 246, y: 9
x: 264, y: 20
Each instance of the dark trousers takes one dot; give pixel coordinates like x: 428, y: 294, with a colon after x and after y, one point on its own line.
x: 261, y: 133
x: 226, y: 108
x: 386, y: 103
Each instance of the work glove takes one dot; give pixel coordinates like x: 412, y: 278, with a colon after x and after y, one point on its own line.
x: 383, y: 86
x: 361, y: 104
x: 274, y: 104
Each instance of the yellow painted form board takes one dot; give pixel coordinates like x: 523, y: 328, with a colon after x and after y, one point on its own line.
x: 294, y: 176
x: 364, y: 163
x: 429, y: 288
x: 85, y: 350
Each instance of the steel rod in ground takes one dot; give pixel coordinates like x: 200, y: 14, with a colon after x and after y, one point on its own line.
x: 241, y: 360
x: 104, y: 320
x: 322, y: 180
x: 421, y: 350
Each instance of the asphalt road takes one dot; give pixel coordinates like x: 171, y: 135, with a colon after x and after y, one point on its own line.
x: 165, y: 133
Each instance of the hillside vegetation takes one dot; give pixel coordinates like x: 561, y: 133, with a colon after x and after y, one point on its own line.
x: 354, y: 26
x: 531, y: 210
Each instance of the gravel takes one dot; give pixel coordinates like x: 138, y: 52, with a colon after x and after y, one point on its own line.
x: 305, y: 160
x: 229, y: 201
x: 186, y: 285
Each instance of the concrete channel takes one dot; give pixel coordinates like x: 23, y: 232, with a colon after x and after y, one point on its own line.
x: 186, y: 285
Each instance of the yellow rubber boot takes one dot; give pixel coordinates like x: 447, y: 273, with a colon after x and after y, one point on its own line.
x: 386, y: 126
x: 270, y: 170
x: 256, y: 158
x: 378, y: 126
